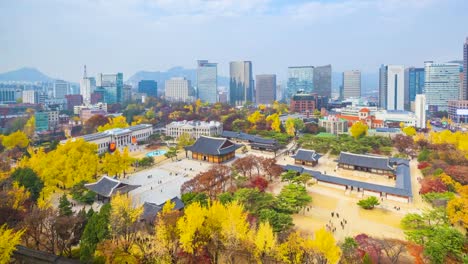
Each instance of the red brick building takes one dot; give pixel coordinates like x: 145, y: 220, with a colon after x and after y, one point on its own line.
x: 307, y: 103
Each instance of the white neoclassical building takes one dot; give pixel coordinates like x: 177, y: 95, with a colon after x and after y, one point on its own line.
x: 194, y: 128
x: 121, y: 137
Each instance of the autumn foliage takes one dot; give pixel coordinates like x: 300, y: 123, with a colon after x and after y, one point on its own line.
x: 432, y: 184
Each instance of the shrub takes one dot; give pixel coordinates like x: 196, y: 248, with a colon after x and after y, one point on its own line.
x: 423, y: 165
x: 369, y: 203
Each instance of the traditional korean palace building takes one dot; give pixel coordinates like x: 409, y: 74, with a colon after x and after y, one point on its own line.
x: 306, y: 157
x: 367, y: 163
x: 215, y: 150
x: 255, y: 142
x: 401, y: 192
x: 115, y: 138
x: 151, y: 210
x: 106, y: 187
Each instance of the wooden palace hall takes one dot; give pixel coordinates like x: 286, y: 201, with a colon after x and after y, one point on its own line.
x: 211, y: 149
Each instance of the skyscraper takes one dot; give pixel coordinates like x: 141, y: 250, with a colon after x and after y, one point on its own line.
x: 441, y: 84
x: 148, y: 87
x: 87, y: 87
x: 465, y: 71
x: 392, y: 87
x: 351, y: 84
x: 61, y: 88
x: 178, y: 89
x: 241, y: 83
x: 322, y: 80
x: 414, y: 84
x: 30, y: 97
x: 420, y: 112
x: 111, y: 85
x: 207, y: 81
x: 265, y: 88
x: 300, y: 78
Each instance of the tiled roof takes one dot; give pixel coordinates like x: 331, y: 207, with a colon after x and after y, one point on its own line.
x: 107, y: 186
x: 151, y: 210
x: 402, y: 186
x: 213, y: 146
x: 367, y: 161
x: 307, y: 155
x: 247, y: 137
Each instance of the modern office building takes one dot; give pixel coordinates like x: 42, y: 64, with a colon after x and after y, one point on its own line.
x: 10, y: 93
x: 194, y: 128
x: 207, y: 81
x: 73, y: 100
x: 441, y: 84
x: 465, y: 71
x: 322, y: 80
x: 178, y: 89
x: 420, y: 110
x: 351, y: 84
x: 392, y: 87
x: 307, y: 103
x: 458, y: 111
x: 300, y: 78
x: 87, y: 87
x: 111, y: 87
x: 414, y: 84
x: 30, y: 97
x: 241, y: 83
x: 61, y: 88
x: 148, y: 87
x: 41, y: 121
x: 265, y: 88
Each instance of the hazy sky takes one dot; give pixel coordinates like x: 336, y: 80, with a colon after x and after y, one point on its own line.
x: 60, y: 36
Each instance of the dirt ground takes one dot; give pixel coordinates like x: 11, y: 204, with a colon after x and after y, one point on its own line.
x: 382, y: 221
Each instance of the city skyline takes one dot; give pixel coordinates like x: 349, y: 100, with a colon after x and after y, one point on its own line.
x: 125, y: 36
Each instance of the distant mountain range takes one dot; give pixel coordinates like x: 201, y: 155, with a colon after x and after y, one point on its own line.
x: 161, y: 76
x: 369, y: 81
x: 26, y: 75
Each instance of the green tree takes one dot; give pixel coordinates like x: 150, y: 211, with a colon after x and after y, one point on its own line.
x: 171, y: 153
x: 28, y: 178
x: 65, y: 208
x: 292, y: 198
x: 368, y: 203
x: 96, y: 230
x: 278, y: 221
x: 185, y: 140
x: 433, y: 231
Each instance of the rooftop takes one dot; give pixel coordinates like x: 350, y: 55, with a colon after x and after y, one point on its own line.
x: 307, y: 155
x: 402, y: 186
x: 107, y: 186
x: 248, y: 137
x: 213, y: 146
x: 367, y: 161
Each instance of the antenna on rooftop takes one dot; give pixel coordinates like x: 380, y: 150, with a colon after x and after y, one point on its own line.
x: 85, y: 75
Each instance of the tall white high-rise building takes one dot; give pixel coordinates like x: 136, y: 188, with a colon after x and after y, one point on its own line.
x: 420, y: 110
x: 392, y: 87
x: 61, y: 88
x: 178, y: 89
x: 351, y: 84
x: 441, y: 84
x: 30, y: 97
x: 207, y: 81
x: 87, y: 87
x: 241, y: 85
